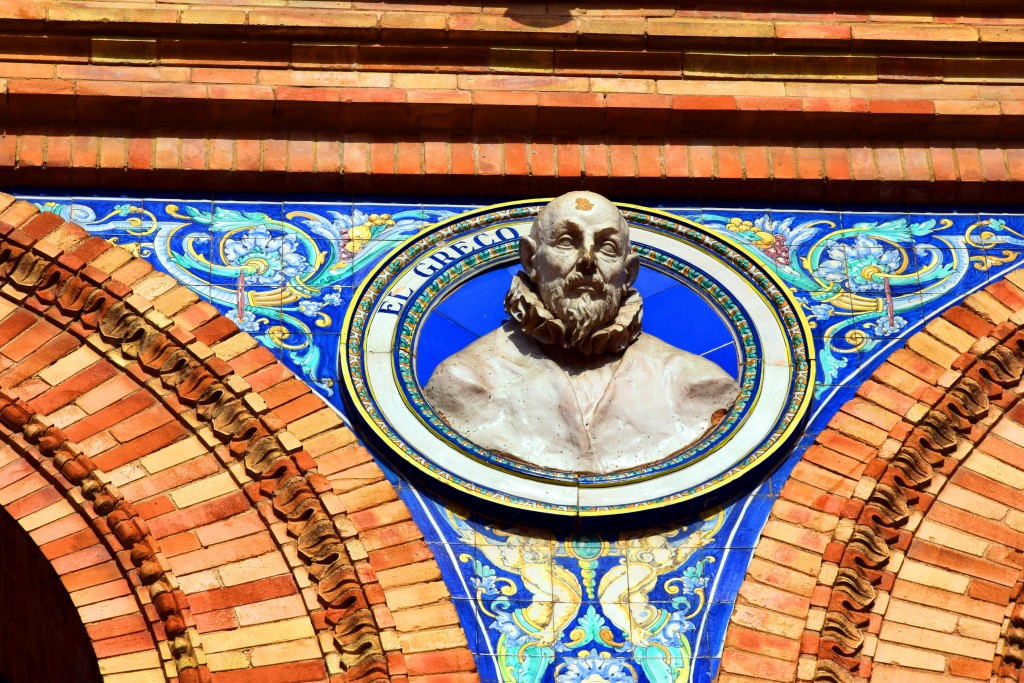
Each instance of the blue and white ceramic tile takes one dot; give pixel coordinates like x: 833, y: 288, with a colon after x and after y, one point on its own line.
x: 636, y: 605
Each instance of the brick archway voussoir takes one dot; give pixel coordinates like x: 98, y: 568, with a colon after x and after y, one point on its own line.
x: 896, y: 546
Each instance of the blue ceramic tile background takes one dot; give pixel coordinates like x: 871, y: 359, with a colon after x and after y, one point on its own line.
x: 648, y: 604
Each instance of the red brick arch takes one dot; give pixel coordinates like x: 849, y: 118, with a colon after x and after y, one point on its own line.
x: 895, y: 550
x: 210, y: 517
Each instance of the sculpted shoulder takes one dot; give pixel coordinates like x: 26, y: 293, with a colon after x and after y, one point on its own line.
x: 471, y: 374
x: 496, y: 351
x: 696, y: 375
x: 503, y: 394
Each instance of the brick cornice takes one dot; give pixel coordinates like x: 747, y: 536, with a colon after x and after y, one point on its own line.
x: 506, y: 105
x: 787, y: 169
x: 845, y: 89
x: 671, y: 25
x: 795, y: 104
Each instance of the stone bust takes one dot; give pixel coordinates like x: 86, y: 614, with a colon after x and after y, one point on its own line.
x: 570, y: 382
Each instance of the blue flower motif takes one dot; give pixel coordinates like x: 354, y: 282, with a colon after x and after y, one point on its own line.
x: 332, y: 298
x: 275, y: 259
x: 595, y: 669
x: 354, y: 230
x: 822, y: 311
x: 674, y: 631
x: 771, y: 237
x: 310, y: 307
x: 485, y: 584
x: 506, y: 626
x: 884, y: 329
x: 853, y: 266
x: 693, y: 578
x: 248, y: 322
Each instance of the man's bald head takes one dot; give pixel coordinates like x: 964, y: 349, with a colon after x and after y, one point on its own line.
x: 581, y: 207
x: 579, y: 257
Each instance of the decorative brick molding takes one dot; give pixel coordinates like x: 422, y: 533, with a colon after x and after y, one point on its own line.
x: 894, y: 548
x: 784, y: 169
x: 864, y: 104
x: 181, y: 444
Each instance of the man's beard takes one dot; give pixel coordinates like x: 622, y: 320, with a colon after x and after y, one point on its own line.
x: 581, y: 311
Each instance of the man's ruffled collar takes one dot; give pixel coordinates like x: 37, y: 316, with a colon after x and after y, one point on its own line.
x: 524, y: 305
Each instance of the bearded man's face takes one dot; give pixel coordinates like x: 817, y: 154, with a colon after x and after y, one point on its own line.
x: 580, y: 267
x: 584, y: 302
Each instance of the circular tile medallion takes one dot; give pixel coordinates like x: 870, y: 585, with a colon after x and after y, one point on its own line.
x: 424, y: 302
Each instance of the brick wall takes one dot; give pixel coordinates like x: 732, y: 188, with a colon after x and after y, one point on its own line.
x: 864, y: 104
x: 785, y: 101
